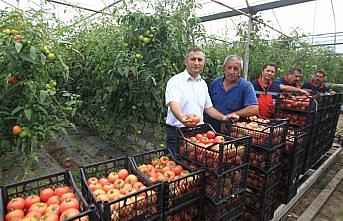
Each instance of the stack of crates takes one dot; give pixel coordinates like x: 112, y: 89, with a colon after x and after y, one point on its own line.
x: 306, y: 112
x: 268, y: 141
x: 183, y: 195
x: 225, y: 160
x: 294, y: 154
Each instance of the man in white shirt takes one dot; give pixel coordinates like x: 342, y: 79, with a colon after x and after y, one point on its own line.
x: 186, y: 94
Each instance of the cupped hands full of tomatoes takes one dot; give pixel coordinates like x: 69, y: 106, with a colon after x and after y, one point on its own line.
x: 51, y: 204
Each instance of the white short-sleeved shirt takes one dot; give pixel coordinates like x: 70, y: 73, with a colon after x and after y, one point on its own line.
x: 191, y: 94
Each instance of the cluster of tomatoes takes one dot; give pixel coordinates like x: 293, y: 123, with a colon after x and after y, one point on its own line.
x: 205, y: 149
x: 163, y: 169
x: 115, y: 187
x: 259, y: 133
x: 262, y: 159
x: 295, y: 102
x: 260, y: 180
x: 294, y: 118
x: 50, y: 205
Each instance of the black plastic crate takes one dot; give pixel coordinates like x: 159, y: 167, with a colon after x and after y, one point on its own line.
x: 290, y: 161
x: 226, y: 185
x: 34, y: 186
x: 261, y: 180
x: 141, y: 204
x: 227, y: 210
x: 290, y: 177
x: 296, y: 139
x: 296, y: 118
x: 175, y: 192
x: 266, y: 159
x: 216, y: 157
x: 266, y: 135
x: 252, y: 214
x: 261, y: 199
x: 286, y: 193
x: 188, y: 211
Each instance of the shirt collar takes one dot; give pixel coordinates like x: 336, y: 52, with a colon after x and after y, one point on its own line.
x: 187, y: 76
x: 237, y: 83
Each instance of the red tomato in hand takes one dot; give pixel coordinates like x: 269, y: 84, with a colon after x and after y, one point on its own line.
x: 16, y: 203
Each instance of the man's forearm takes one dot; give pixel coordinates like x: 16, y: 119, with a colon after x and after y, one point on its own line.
x: 247, y: 111
x: 176, y: 110
x: 214, y: 113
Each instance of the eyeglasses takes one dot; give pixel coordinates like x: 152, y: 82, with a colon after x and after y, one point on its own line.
x: 228, y: 68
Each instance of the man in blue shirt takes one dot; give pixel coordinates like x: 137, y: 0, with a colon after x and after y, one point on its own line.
x: 231, y: 94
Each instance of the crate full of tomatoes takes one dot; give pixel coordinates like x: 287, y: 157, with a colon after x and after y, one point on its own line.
x: 296, y: 139
x: 302, y: 103
x: 216, y: 152
x: 266, y: 133
x: 181, y: 184
x: 50, y: 197
x: 119, y: 192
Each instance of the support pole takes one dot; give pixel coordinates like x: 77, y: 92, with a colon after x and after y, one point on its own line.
x: 247, y: 49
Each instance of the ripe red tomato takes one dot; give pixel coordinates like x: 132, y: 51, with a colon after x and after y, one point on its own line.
x: 15, y: 215
x: 39, y: 207
x: 54, y: 200
x: 177, y: 169
x: 49, y: 217
x: 16, y: 203
x: 59, y: 191
x: 45, y: 194
x: 53, y: 208
x: 210, y: 134
x: 123, y: 173
x: 194, y: 118
x: 67, y: 195
x: 198, y: 136
x: 69, y: 203
x: 32, y: 199
x: 69, y: 213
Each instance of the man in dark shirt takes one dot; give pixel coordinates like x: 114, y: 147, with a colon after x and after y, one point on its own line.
x: 316, y: 84
x: 292, y: 78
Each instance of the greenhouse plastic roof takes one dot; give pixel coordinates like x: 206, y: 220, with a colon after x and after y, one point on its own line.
x: 320, y: 18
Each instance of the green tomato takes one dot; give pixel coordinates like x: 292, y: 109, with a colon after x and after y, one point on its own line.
x: 138, y: 56
x: 134, y: 107
x: 151, y: 35
x: 6, y: 31
x: 53, y: 83
x: 14, y: 32
x: 162, y: 145
x: 139, y: 132
x: 51, y: 57
x: 141, y: 37
x: 23, y: 134
x: 146, y: 40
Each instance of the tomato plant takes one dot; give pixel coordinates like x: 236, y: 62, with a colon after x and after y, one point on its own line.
x: 33, y: 108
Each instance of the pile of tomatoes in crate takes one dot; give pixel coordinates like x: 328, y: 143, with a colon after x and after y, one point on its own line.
x: 116, y: 187
x: 300, y: 102
x: 163, y: 169
x: 51, y: 205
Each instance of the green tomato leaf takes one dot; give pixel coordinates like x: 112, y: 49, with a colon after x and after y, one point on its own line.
x: 42, y: 96
x: 28, y: 114
x: 16, y: 110
x: 27, y: 58
x: 33, y: 52
x: 18, y: 46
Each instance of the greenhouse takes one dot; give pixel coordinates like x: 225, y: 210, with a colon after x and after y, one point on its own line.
x: 200, y: 110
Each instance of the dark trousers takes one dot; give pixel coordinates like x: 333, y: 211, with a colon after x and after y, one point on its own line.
x: 171, y: 139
